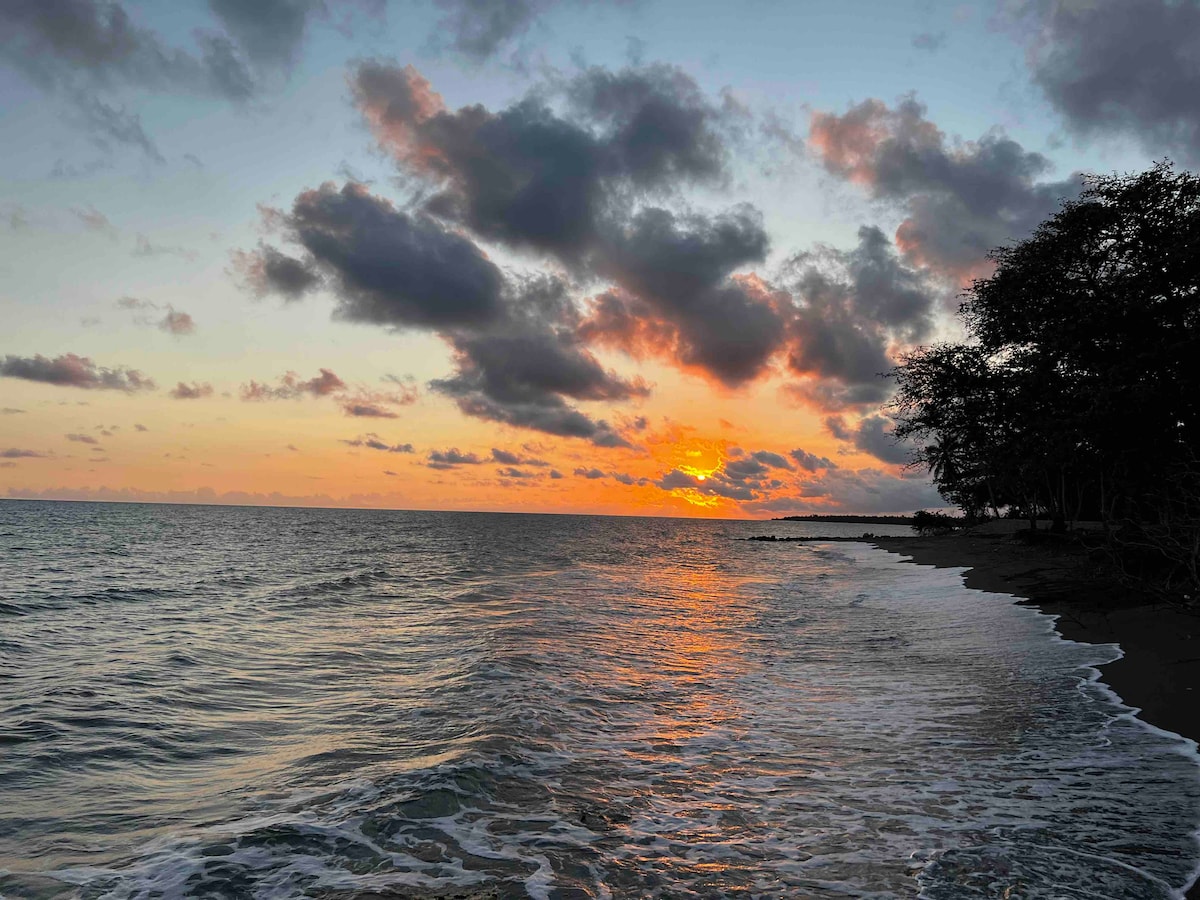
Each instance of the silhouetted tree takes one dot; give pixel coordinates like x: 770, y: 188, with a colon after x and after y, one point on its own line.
x: 1077, y: 392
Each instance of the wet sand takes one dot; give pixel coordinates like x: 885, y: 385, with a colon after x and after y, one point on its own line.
x: 1160, y: 671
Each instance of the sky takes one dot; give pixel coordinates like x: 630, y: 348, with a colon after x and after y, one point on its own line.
x: 538, y: 255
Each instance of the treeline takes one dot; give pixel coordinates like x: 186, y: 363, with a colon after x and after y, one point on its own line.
x: 1077, y: 393
x: 856, y: 520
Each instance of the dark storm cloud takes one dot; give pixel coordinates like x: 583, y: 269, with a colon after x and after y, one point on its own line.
x: 268, y: 271
x: 291, y: 387
x: 194, y: 391
x: 389, y: 267
x: 810, y: 462
x: 375, y: 442
x: 678, y: 298
x: 853, y: 305
x: 532, y: 177
x: 70, y: 370
x: 873, y: 435
x: 1130, y: 67
x: 961, y: 199
x: 520, y: 370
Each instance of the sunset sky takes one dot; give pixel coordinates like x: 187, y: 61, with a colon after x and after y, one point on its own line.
x: 645, y: 257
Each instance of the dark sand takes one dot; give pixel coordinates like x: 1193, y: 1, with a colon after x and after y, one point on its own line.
x: 1160, y: 671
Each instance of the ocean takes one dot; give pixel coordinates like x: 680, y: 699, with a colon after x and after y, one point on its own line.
x: 251, y: 702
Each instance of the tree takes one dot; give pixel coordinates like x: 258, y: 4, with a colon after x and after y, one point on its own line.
x: 1077, y: 391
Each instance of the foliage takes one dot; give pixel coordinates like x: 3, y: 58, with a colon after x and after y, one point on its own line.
x: 925, y: 522
x: 1077, y: 393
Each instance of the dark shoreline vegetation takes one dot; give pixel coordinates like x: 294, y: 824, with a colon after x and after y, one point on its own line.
x: 1076, y: 396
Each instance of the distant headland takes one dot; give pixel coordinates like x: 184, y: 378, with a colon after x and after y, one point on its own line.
x: 862, y: 520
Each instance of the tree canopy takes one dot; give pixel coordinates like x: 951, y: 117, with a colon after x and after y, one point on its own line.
x: 1077, y: 391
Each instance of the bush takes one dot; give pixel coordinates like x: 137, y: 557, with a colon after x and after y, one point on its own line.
x: 934, y: 522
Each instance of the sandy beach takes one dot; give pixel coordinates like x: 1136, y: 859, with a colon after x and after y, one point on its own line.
x: 1160, y: 671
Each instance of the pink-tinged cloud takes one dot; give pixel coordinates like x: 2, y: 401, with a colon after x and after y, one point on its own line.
x: 394, y: 102
x: 962, y: 198
x: 291, y: 387
x: 71, y: 370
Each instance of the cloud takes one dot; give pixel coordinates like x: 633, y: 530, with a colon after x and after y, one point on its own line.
x: 530, y: 177
x: 1128, y: 67
x: 874, y: 435
x: 177, y: 322
x: 17, y: 453
x: 864, y: 491
x: 555, y: 474
x: 678, y: 298
x: 173, y: 321
x: 94, y: 220
x: 70, y: 370
x: 194, y: 391
x: 452, y: 459
x: 774, y: 460
x: 961, y: 199
x: 109, y: 124
x: 854, y: 305
x: 591, y: 474
x: 515, y: 459
x: 387, y: 266
x: 11, y: 411
x: 519, y: 370
x: 82, y: 439
x: 512, y: 472
x: 267, y: 32
x: 140, y: 427
x: 268, y: 271
x: 291, y: 387
x: 478, y: 29
x: 374, y: 442
x: 367, y: 410
x: 810, y: 462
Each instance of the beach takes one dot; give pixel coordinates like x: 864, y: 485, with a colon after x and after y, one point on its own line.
x: 1159, y: 671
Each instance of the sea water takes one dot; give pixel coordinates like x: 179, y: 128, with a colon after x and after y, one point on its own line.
x: 249, y: 702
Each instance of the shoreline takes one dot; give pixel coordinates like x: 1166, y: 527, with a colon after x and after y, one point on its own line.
x: 1158, y: 674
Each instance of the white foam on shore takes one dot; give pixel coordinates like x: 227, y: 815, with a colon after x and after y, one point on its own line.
x: 1093, y: 677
